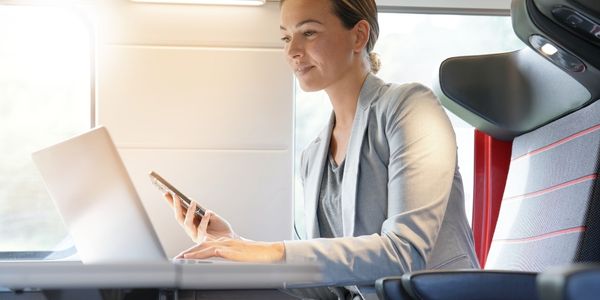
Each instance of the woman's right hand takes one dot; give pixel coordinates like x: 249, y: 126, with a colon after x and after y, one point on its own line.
x: 208, y: 228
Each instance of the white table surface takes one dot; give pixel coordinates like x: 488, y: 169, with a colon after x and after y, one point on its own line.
x: 213, y: 275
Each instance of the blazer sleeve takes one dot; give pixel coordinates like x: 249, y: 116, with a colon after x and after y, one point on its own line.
x: 422, y: 160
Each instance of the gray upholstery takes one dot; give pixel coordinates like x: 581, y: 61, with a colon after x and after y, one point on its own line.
x: 507, y: 94
x: 549, y: 212
x: 557, y: 130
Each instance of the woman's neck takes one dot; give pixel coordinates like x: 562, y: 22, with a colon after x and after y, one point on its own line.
x: 344, y: 98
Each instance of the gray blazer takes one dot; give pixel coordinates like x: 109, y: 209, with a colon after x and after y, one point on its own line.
x: 402, y: 195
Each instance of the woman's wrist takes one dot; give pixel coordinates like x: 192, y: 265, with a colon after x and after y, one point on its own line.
x: 279, y: 250
x: 236, y: 236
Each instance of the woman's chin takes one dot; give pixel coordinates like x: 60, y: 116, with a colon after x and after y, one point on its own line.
x: 309, y: 86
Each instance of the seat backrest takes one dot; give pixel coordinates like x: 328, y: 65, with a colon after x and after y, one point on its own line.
x: 550, y: 211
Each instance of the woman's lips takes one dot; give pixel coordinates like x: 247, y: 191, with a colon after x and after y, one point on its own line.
x: 303, y: 70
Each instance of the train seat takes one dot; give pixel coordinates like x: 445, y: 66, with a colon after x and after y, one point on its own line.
x: 549, y: 216
x: 550, y: 211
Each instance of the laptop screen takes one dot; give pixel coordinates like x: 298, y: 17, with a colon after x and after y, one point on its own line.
x: 91, y: 189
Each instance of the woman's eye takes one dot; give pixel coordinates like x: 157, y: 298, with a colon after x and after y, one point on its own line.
x: 286, y: 39
x: 309, y: 33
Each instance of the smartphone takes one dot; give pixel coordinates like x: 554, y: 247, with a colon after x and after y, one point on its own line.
x: 166, y: 187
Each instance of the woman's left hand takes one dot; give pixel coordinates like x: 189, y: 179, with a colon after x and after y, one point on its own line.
x: 237, y: 250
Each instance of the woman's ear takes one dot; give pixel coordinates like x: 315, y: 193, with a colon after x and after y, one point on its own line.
x: 361, y: 31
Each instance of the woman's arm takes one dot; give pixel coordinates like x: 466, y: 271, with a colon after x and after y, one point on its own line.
x: 421, y: 167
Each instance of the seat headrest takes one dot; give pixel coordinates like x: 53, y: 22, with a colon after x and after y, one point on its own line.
x: 509, y: 94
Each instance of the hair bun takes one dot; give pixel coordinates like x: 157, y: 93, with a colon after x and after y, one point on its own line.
x: 375, y: 62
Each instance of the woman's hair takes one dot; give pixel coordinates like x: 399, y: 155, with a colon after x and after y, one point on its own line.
x: 351, y: 12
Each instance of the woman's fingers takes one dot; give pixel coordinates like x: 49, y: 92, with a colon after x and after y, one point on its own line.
x: 199, y: 251
x: 178, y: 209
x: 203, y: 227
x: 192, y: 224
x: 190, y: 214
x: 169, y: 199
x: 210, y: 250
x: 237, y: 250
x: 175, y: 205
x: 193, y: 248
x: 207, y: 252
x: 188, y: 222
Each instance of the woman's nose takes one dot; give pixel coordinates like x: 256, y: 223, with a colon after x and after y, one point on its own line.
x: 294, y: 49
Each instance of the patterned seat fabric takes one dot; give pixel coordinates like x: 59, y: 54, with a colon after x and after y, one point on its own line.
x: 550, y: 212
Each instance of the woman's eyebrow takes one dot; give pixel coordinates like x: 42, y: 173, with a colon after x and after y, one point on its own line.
x: 302, y: 23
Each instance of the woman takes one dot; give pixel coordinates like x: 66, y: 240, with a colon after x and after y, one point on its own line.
x: 383, y: 194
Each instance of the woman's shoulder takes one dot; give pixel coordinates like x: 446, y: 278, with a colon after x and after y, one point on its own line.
x: 394, y: 97
x: 395, y: 92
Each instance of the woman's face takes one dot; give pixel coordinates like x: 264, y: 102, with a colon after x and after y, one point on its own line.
x: 318, y: 48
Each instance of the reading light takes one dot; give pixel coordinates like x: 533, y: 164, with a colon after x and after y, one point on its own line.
x: 549, y: 49
x: 207, y: 2
x: 556, y: 54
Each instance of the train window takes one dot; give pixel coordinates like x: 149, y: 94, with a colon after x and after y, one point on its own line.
x: 45, y: 96
x: 411, y: 47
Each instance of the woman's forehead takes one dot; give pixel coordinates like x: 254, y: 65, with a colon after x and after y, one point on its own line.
x: 297, y: 12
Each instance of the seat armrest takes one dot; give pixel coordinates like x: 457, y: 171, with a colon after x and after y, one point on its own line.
x: 577, y: 281
x: 460, y: 284
x: 389, y: 288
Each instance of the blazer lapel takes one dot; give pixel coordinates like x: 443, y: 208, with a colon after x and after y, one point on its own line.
x: 312, y: 185
x: 367, y: 94
x: 313, y: 181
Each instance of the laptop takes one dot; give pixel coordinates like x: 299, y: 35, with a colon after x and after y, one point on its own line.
x: 97, y: 200
x: 102, y: 211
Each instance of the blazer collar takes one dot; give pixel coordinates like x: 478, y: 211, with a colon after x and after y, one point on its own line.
x: 368, y: 94
x: 312, y: 185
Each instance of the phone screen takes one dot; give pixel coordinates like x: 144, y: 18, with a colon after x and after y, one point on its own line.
x: 166, y: 187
